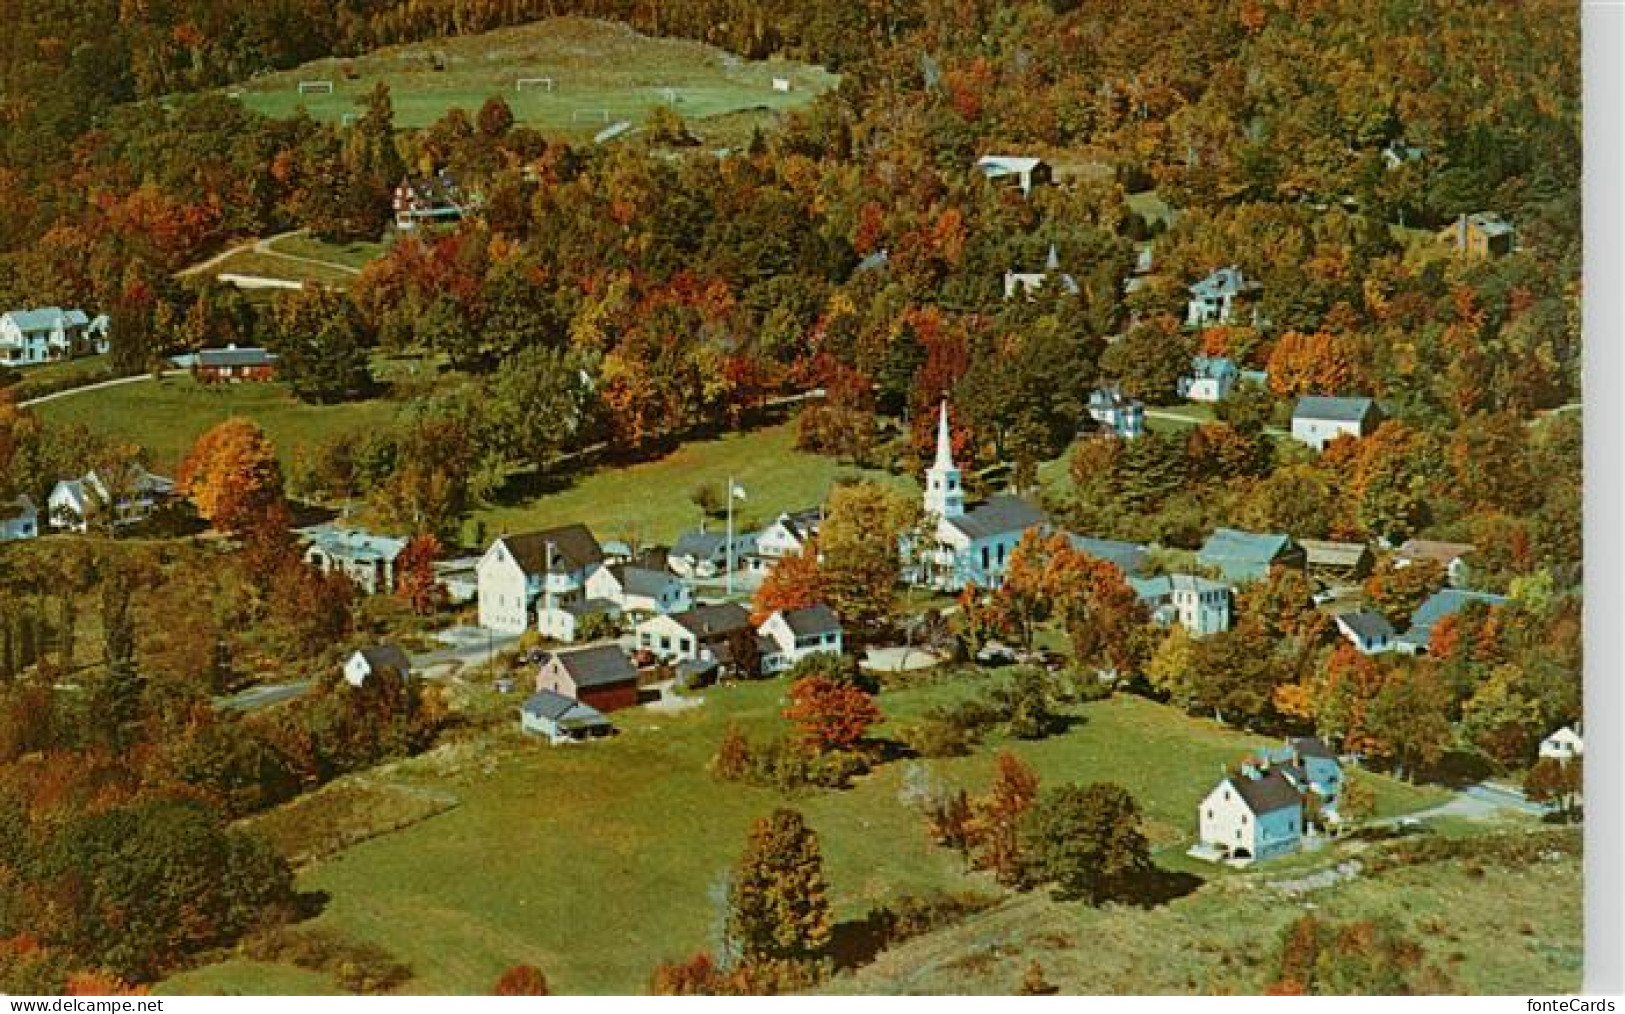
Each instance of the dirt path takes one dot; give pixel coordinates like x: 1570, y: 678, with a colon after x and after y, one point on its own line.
x: 264, y: 247
x: 101, y: 385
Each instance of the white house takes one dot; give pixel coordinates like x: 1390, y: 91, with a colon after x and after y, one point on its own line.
x: 1211, y: 379
x: 615, y: 590
x: 798, y: 633
x: 518, y: 570
x: 1317, y: 421
x: 28, y: 337
x: 970, y: 546
x: 1023, y: 171
x: 366, y: 559
x: 1199, y: 605
x: 1117, y: 413
x: 1367, y: 630
x: 1565, y: 744
x: 1030, y: 282
x: 1250, y: 816
x: 790, y: 534
x: 19, y: 519
x: 133, y: 497
x: 1216, y: 298
x: 706, y: 554
x: 698, y: 633
x: 365, y: 662
x: 1452, y: 556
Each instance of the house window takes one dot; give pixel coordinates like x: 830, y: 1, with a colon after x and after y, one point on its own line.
x: 1210, y: 814
x: 665, y: 643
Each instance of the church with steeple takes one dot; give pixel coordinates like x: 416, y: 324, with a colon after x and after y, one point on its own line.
x: 972, y: 545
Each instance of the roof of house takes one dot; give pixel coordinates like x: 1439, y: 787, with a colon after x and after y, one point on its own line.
x: 1127, y: 556
x: 1312, y: 746
x: 812, y: 621
x: 1226, y: 281
x: 1000, y: 515
x: 142, y: 483
x: 1267, y: 793
x: 1003, y: 165
x: 232, y: 356
x: 1321, y: 553
x: 1163, y: 585
x: 18, y: 507
x: 1212, y: 367
x: 1367, y: 625
x: 562, y: 710
x: 635, y: 580
x: 386, y: 656
x: 1443, y: 553
x: 1314, y: 406
x: 573, y: 546
x: 1491, y: 223
x: 1443, y: 603
x: 596, y: 666
x: 45, y: 318
x: 354, y: 544
x: 716, y: 620
x: 1230, y: 544
x: 705, y: 545
x: 874, y: 262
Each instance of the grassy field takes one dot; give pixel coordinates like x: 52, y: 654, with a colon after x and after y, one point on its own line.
x: 167, y: 416
x: 651, y: 499
x: 601, y: 73
x: 597, y: 862
x: 266, y: 265
x: 355, y: 255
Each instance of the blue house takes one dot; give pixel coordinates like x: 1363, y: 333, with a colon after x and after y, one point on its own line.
x: 1197, y: 604
x: 1211, y: 379
x: 1248, y: 556
x: 1217, y: 298
x: 1447, y: 602
x: 1251, y: 815
x: 1117, y: 413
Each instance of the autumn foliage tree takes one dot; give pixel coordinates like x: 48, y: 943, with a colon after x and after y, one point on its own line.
x: 831, y: 715
x: 793, y: 582
x: 994, y: 829
x: 778, y: 900
x: 1317, y: 363
x: 232, y: 475
x: 521, y: 980
x: 415, y: 580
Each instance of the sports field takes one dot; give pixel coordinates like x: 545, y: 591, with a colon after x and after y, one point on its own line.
x: 583, y: 75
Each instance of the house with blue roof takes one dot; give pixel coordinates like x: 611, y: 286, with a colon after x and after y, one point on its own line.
x: 1317, y: 421
x: 1242, y: 557
x: 366, y: 559
x: 1217, y: 298
x: 30, y: 337
x: 1117, y: 413
x: 561, y: 719
x: 1199, y: 605
x: 1211, y: 379
x: 1129, y: 557
x: 1368, y: 630
x: 1442, y: 603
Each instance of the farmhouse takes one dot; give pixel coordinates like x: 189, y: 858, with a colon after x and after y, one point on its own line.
x: 1310, y: 765
x: 1030, y: 282
x: 1443, y: 603
x: 971, y: 546
x: 1317, y: 421
x: 517, y: 570
x: 601, y: 676
x: 367, y: 662
x: 561, y: 719
x: 19, y: 519
x: 1217, y: 298
x: 701, y: 632
x: 28, y: 337
x: 1195, y: 603
x: 793, y: 635
x: 1117, y: 413
x: 1484, y: 234
x: 364, y: 558
x: 1368, y: 630
x: 1563, y: 745
x: 132, y: 496
x: 1452, y: 556
x: 1211, y: 379
x: 1128, y: 557
x: 1252, y: 815
x: 1345, y: 560
x: 1248, y: 556
x: 230, y: 365
x: 1016, y: 170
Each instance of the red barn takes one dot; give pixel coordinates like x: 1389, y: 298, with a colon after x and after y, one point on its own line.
x: 233, y: 365
x: 601, y: 676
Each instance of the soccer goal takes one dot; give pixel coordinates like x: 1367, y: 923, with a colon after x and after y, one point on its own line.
x: 315, y: 88
x: 589, y: 115
x: 533, y: 83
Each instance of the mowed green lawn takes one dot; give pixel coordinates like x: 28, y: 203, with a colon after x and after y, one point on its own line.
x: 597, y: 862
x: 167, y: 416
x: 601, y: 73
x: 651, y: 500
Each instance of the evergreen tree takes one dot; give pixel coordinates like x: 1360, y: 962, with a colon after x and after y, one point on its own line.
x: 1087, y: 841
x: 778, y: 908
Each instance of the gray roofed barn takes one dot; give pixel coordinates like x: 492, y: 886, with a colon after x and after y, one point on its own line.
x: 1129, y: 558
x: 1247, y: 556
x: 1368, y: 625
x: 599, y: 665
x: 1352, y: 410
x: 386, y: 656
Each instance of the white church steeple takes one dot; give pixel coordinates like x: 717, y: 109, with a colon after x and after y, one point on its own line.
x: 944, y: 494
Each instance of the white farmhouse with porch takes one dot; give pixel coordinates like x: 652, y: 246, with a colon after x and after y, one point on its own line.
x: 787, y: 637
x: 517, y: 571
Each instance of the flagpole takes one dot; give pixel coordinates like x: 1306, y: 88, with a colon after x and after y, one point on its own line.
x: 729, y: 580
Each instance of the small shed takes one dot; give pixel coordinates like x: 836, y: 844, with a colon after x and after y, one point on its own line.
x: 365, y: 662
x: 561, y: 719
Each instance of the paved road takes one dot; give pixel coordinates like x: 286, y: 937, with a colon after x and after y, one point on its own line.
x: 255, y: 698
x: 1476, y: 802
